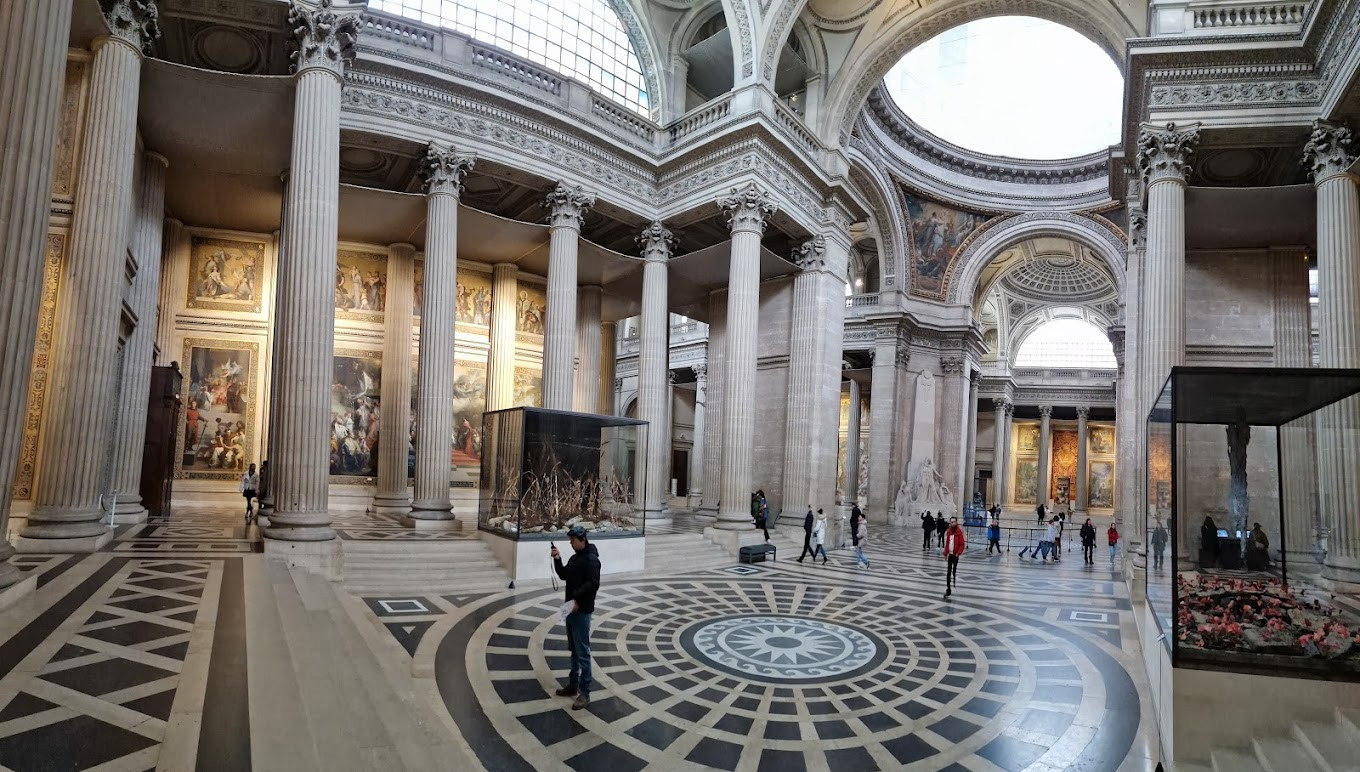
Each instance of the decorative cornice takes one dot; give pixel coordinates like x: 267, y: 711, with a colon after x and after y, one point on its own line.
x: 442, y: 170
x: 1327, y: 152
x: 322, y: 38
x: 135, y: 22
x: 567, y: 205
x: 657, y: 242
x: 1164, y: 152
x: 1244, y: 94
x: 748, y: 208
x: 811, y: 254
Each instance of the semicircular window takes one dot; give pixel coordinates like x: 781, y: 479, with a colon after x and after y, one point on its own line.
x: 582, y: 39
x: 1013, y: 86
x: 1067, y: 343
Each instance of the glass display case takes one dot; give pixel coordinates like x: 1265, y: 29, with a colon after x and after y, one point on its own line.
x: 1245, y: 469
x: 544, y: 471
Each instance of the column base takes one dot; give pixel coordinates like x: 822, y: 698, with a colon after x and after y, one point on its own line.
x: 732, y: 541
x: 431, y: 510
x: 663, y: 518
x: 392, y: 506
x: 735, y: 521
x: 70, y: 544
x: 423, y: 524
x: 299, y: 527
x: 1301, y: 563
x: 1341, y: 574
x: 133, y: 517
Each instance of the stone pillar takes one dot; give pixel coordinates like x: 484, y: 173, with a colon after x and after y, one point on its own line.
x: 1045, y: 451
x: 500, y: 366
x: 139, y: 354
x: 608, y: 358
x: 1083, y: 415
x: 443, y: 171
x: 1131, y: 412
x: 747, y: 211
x: 66, y: 515
x: 175, y: 246
x: 304, y: 321
x: 970, y: 464
x: 1293, y: 339
x: 394, y: 497
x: 949, y: 439
x: 713, y: 407
x: 1001, y: 450
x: 566, y: 206
x: 813, y: 412
x: 696, y: 453
x: 33, y: 43
x: 1328, y: 157
x: 653, y: 401
x: 891, y: 355
x: 587, y: 386
x: 852, y: 430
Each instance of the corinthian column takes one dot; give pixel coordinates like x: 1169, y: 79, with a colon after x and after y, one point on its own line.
x: 970, y: 453
x: 1328, y: 156
x: 500, y: 366
x: 1163, y: 155
x: 653, y: 401
x: 696, y: 453
x: 1045, y: 450
x: 33, y: 44
x: 605, y: 384
x: 747, y: 211
x: 1001, y: 450
x: 566, y: 206
x: 395, y: 408
x: 304, y: 322
x: 587, y: 385
x: 1083, y: 414
x: 953, y: 441
x: 139, y: 351
x: 443, y: 171
x: 852, y: 432
x: 66, y: 515
x: 1293, y: 337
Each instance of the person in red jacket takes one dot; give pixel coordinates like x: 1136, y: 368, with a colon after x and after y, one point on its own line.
x: 953, y: 547
x: 1112, y: 535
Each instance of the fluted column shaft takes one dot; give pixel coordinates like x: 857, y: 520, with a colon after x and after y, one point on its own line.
x: 175, y: 246
x: 605, y: 384
x: 951, y: 444
x: 1131, y: 415
x: 748, y: 211
x: 566, y: 206
x: 1083, y: 414
x: 394, y: 498
x: 76, y: 437
x: 1289, y: 271
x: 1045, y: 450
x: 587, y: 382
x: 970, y: 458
x: 852, y: 430
x: 138, y: 357
x: 1001, y: 451
x: 713, y: 407
x: 304, y: 324
x: 653, y: 400
x: 696, y: 453
x: 500, y: 368
x: 32, y: 70
x: 886, y: 404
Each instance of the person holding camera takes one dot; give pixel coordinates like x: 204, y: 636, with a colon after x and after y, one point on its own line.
x: 582, y: 577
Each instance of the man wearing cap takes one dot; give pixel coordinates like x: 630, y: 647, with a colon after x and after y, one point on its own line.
x: 582, y: 577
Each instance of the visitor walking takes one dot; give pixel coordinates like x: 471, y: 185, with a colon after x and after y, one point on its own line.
x: 1088, y: 542
x: 953, y: 547
x: 1057, y: 537
x: 994, y: 535
x: 928, y: 526
x: 807, y: 535
x: 1046, y: 544
x: 855, y: 516
x: 1159, y: 540
x: 940, y: 527
x: 250, y: 483
x: 1113, y: 535
x: 819, y: 537
x: 582, y: 577
x: 861, y: 538
x: 763, y: 517
x: 1040, y: 511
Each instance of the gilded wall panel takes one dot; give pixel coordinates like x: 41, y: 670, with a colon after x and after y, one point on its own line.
x: 24, y: 476
x: 70, y: 123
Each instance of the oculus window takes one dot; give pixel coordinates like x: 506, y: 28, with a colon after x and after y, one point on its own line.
x: 1067, y: 343
x: 1012, y: 86
x: 582, y: 39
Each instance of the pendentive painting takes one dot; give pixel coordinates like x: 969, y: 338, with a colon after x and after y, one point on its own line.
x: 529, y: 309
x: 1026, y: 480
x: 225, y: 274
x: 1102, y: 440
x: 469, y: 402
x: 1102, y: 484
x: 528, y: 387
x: 219, y: 408
x: 360, y: 285
x: 937, y: 233
x: 472, y: 300
x: 356, y: 393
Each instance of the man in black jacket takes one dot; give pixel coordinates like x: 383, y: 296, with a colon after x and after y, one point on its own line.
x: 582, y: 577
x: 807, y: 537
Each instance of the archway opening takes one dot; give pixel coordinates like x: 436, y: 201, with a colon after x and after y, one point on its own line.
x: 1067, y: 343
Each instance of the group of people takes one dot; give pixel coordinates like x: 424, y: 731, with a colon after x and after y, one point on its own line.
x: 224, y: 448
x: 1257, y: 553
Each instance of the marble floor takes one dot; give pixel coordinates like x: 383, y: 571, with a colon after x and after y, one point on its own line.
x: 181, y: 647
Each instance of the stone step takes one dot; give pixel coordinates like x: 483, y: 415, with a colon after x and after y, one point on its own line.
x: 1283, y: 754
x: 1330, y: 746
x: 1235, y: 761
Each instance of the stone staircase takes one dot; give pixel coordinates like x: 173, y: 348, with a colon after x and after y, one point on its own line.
x: 1310, y: 746
x: 446, y: 566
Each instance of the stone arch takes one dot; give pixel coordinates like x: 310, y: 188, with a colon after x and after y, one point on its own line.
x: 1108, y: 243
x: 888, y: 214
x: 1028, y: 323
x: 648, y: 51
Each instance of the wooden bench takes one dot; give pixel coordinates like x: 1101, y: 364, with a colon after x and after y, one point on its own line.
x: 756, y: 553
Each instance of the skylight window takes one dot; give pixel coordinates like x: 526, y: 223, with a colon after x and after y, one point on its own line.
x: 1067, y: 343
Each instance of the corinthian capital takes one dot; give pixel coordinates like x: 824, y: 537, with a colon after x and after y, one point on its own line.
x: 443, y: 170
x: 747, y: 208
x: 1001, y: 405
x: 953, y: 365
x: 322, y: 38
x: 1327, y: 152
x: 1164, y: 151
x: 136, y: 22
x: 567, y: 205
x: 811, y: 254
x: 656, y: 242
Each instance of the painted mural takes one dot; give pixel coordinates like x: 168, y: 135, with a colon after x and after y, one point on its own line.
x: 469, y: 402
x: 1102, y: 440
x: 356, y: 395
x: 225, y: 274
x: 1027, y: 438
x: 1026, y: 480
x: 528, y: 387
x: 360, y: 285
x: 219, y: 408
x: 937, y: 234
x: 1101, y: 488
x: 472, y: 301
x: 1064, y: 465
x: 529, y: 309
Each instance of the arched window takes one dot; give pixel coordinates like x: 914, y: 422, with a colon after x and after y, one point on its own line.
x: 1067, y: 343
x: 582, y: 39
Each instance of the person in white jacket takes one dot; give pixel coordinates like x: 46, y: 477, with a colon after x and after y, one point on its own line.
x: 862, y: 532
x: 250, y: 483
x: 819, y: 537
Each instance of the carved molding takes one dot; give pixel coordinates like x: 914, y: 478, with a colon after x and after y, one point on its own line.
x: 1137, y: 228
x: 748, y: 208
x: 656, y: 241
x: 443, y: 170
x: 135, y: 22
x: 322, y: 38
x: 811, y: 254
x: 1270, y: 92
x: 567, y: 205
x: 1327, y: 152
x: 1164, y: 151
x: 953, y: 365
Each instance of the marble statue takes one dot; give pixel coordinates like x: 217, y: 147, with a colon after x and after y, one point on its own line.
x: 928, y: 488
